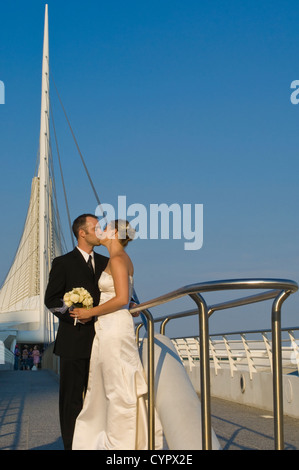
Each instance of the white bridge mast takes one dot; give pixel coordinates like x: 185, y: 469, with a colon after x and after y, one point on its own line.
x: 22, y: 310
x: 44, y: 180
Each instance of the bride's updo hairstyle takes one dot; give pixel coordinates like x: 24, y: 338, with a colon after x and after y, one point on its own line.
x: 126, y: 233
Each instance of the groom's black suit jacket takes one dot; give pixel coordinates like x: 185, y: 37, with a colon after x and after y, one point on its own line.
x: 69, y: 271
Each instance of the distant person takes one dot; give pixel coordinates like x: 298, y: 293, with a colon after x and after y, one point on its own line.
x: 17, y: 357
x: 24, y: 360
x: 30, y: 358
x: 36, y: 357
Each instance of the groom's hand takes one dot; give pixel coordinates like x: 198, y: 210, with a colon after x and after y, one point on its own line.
x: 81, y: 315
x: 133, y: 305
x: 86, y: 320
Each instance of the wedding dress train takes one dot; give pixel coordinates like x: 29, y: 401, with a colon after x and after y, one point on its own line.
x: 114, y: 414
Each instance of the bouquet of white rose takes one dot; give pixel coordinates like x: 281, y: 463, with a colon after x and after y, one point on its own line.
x: 78, y: 297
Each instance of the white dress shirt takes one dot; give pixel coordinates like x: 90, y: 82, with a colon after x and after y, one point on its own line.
x: 86, y: 256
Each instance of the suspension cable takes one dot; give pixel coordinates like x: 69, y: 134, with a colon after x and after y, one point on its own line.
x: 62, y: 178
x: 79, y: 151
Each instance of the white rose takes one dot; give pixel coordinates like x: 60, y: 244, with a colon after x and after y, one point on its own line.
x: 75, y: 298
x: 68, y: 303
x: 88, y: 302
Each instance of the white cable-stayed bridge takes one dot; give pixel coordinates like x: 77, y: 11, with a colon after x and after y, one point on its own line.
x: 24, y: 317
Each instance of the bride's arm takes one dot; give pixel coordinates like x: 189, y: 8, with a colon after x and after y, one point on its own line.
x: 120, y: 276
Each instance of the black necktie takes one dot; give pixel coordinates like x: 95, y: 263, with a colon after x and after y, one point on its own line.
x: 89, y: 264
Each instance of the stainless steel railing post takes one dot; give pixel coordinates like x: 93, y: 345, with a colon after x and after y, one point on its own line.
x: 163, y: 325
x: 204, y: 371
x: 151, y: 379
x: 137, y: 332
x: 277, y: 371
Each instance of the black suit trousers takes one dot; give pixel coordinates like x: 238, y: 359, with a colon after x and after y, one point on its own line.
x: 73, y: 384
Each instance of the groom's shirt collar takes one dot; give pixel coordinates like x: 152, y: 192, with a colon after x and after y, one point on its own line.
x: 86, y: 255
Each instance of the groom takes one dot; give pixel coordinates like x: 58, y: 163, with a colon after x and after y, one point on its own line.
x: 82, y: 267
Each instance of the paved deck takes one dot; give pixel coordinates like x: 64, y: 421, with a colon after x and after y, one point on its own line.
x: 29, y: 411
x: 29, y: 417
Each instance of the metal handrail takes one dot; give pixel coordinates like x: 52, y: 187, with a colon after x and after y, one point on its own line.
x: 213, y: 308
x: 280, y: 290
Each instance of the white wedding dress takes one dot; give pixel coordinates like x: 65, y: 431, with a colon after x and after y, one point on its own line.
x: 114, y: 414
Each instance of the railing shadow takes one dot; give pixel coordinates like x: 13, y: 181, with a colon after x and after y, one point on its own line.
x: 255, y: 438
x: 29, y: 411
x: 11, y: 414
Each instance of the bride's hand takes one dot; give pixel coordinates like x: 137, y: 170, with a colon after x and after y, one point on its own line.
x: 82, y: 314
x: 133, y: 305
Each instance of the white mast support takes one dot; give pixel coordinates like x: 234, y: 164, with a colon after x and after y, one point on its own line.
x: 22, y: 294
x: 44, y: 212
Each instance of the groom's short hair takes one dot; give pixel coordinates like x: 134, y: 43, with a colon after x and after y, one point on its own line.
x: 80, y: 222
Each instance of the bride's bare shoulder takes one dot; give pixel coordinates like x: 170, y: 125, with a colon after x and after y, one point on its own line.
x: 122, y: 261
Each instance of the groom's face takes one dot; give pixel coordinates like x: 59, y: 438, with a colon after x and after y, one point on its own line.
x: 90, y: 231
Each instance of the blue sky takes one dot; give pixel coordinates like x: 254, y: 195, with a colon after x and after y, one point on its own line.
x: 171, y: 102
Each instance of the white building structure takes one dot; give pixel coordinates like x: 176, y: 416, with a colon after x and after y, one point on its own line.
x: 23, y: 315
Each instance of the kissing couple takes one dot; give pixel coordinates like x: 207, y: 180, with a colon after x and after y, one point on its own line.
x: 103, y: 390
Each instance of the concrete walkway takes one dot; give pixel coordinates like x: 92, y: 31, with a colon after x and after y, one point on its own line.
x: 29, y: 417
x: 240, y: 427
x: 29, y: 411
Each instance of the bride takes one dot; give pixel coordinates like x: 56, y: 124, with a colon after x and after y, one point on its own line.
x: 114, y: 414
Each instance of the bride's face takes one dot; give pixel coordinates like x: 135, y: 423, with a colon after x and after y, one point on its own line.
x: 104, y: 235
